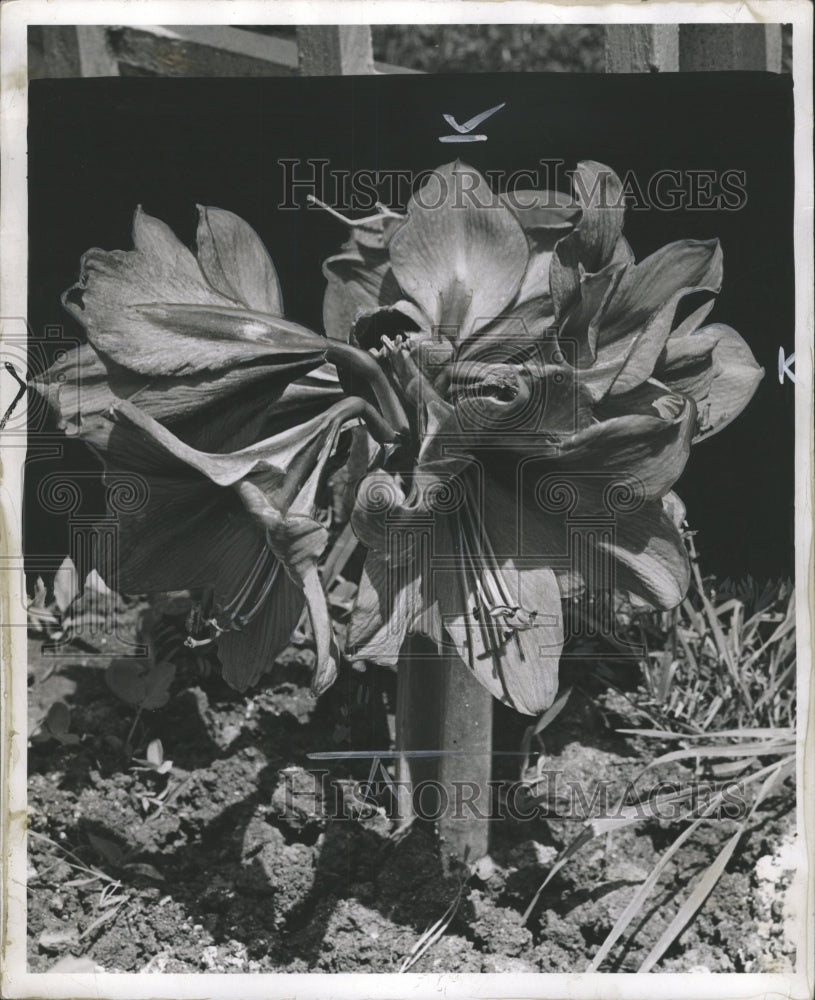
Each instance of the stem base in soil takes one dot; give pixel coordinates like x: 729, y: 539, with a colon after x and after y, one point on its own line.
x: 441, y: 708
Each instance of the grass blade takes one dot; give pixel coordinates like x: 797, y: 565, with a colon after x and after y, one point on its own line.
x: 708, y: 880
x: 432, y: 934
x: 769, y: 774
x: 638, y: 899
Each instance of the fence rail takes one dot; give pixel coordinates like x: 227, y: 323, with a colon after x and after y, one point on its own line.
x: 197, y: 50
x: 333, y: 50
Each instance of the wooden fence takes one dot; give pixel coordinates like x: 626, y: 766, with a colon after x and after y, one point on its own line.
x: 331, y: 50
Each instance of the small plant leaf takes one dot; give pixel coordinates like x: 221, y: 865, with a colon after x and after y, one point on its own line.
x: 40, y: 594
x: 66, y: 585
x: 125, y: 678
x: 154, y: 759
x: 55, y: 726
x: 58, y: 719
x: 142, y: 868
x: 95, y: 583
x: 551, y: 713
x: 106, y: 916
x: 140, y: 683
x: 108, y: 850
x: 155, y: 753
x: 158, y: 681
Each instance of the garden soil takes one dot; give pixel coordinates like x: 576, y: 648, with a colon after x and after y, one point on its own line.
x: 231, y: 862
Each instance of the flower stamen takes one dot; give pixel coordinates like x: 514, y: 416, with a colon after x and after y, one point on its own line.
x: 498, y: 616
x: 381, y: 212
x: 246, y: 604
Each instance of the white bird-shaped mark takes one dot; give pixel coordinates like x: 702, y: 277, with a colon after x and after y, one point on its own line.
x: 465, y: 129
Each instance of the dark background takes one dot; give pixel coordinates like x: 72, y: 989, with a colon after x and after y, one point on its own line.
x: 97, y: 148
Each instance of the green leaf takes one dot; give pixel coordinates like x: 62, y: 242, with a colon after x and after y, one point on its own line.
x: 145, y: 870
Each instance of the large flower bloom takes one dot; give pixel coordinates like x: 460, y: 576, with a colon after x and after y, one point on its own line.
x: 193, y: 379
x: 537, y: 358
x: 518, y: 365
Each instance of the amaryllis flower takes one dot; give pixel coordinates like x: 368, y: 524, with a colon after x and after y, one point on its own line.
x: 389, y: 272
x: 197, y: 341
x: 619, y: 318
x: 522, y: 377
x: 242, y: 525
x: 193, y: 379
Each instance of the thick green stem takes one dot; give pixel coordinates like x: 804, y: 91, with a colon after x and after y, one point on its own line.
x: 442, y: 708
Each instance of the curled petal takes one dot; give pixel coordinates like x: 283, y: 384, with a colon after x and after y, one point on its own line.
x: 535, y: 287
x: 359, y: 280
x: 546, y: 217
x: 717, y: 368
x: 380, y: 501
x: 224, y: 411
x: 682, y: 267
x: 526, y: 408
x: 578, y: 333
x: 151, y: 310
x: 686, y: 364
x: 597, y: 239
x: 537, y: 210
x: 298, y: 541
x: 650, y: 559
x: 388, y: 603
x: 501, y: 608
x: 279, y: 458
x: 444, y: 257
x: 650, y: 448
x: 79, y: 393
x: 634, y: 322
x: 235, y: 261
